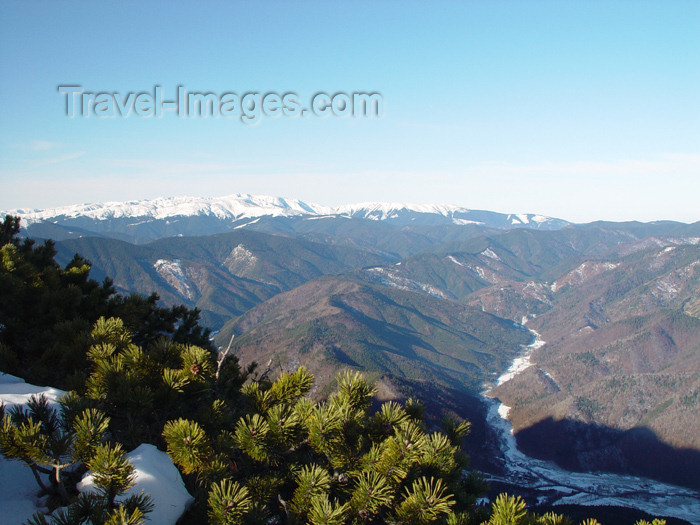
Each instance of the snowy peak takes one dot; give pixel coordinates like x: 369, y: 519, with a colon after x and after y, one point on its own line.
x: 381, y: 211
x: 433, y: 214
x: 231, y: 207
x: 244, y: 209
x: 527, y: 219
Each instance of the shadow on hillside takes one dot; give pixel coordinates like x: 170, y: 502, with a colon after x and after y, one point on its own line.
x: 579, y: 446
x: 573, y: 445
x: 439, y: 401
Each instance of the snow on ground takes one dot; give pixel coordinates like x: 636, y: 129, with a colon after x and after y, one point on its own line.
x: 14, y: 391
x: 488, y: 252
x: 392, y: 280
x: 158, y: 477
x: 174, y: 275
x: 246, y: 224
x: 462, y: 222
x: 522, y: 362
x: 245, y: 206
x: 19, y: 492
x: 583, y: 273
x: 240, y: 259
x: 389, y: 210
x: 454, y: 260
x: 155, y: 473
x: 235, y: 206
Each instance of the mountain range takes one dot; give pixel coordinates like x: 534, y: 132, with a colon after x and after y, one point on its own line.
x: 140, y: 221
x: 430, y: 300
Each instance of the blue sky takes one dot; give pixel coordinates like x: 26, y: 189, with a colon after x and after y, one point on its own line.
x: 581, y: 110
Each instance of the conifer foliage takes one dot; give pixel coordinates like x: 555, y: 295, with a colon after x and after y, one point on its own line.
x: 47, y: 312
x: 58, y: 446
x: 50, y: 442
x: 511, y: 510
x: 141, y: 388
x: 290, y: 460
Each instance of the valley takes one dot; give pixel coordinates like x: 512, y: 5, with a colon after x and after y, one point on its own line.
x: 436, y: 302
x: 553, y: 486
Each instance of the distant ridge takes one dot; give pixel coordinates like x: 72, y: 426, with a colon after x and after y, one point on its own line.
x: 241, y: 206
x: 235, y: 206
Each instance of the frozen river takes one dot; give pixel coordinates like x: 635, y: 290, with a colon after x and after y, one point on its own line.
x: 558, y: 486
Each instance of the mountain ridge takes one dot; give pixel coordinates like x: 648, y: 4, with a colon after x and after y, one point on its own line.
x: 240, y: 206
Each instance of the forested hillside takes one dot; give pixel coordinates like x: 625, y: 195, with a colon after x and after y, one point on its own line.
x: 252, y: 449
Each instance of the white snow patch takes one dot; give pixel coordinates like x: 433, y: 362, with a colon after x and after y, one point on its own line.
x: 159, y: 478
x: 388, y: 278
x: 537, y: 291
x: 684, y: 240
x: 19, y: 491
x: 389, y: 210
x: 155, y: 473
x: 173, y: 273
x: 582, y: 273
x: 668, y: 288
x: 14, y: 391
x: 503, y: 411
x: 320, y: 217
x: 484, y: 273
x: 462, y: 222
x: 246, y: 224
x: 240, y: 260
x: 488, y: 252
x: 454, y: 260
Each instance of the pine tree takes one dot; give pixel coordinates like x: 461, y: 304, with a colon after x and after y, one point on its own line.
x: 50, y: 442
x: 511, y: 510
x: 228, y: 502
x: 113, y: 475
x: 9, y: 230
x: 47, y: 312
x: 507, y: 510
x: 141, y: 388
x: 327, y: 462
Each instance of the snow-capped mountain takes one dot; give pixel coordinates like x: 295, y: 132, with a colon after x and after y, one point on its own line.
x: 242, y: 206
x: 145, y: 220
x: 391, y: 210
x: 234, y: 207
x: 445, y: 214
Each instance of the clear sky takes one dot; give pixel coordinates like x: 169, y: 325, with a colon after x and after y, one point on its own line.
x: 580, y: 110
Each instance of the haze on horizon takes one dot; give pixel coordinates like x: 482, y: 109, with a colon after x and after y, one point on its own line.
x: 579, y: 111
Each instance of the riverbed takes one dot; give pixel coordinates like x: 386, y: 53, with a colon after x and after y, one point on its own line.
x: 557, y: 486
